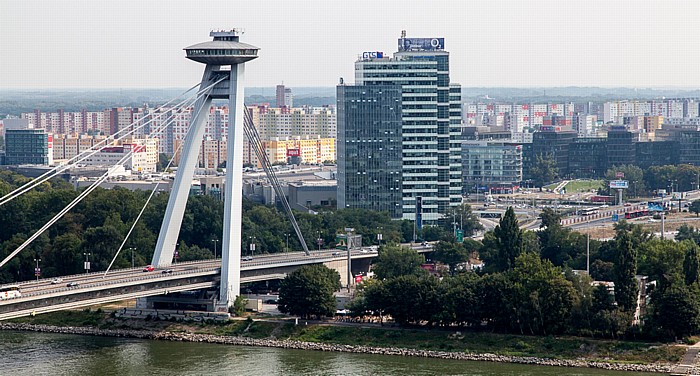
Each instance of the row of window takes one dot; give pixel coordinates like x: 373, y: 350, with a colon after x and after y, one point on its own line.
x: 221, y: 52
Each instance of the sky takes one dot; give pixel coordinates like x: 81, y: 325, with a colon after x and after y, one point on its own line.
x: 55, y: 44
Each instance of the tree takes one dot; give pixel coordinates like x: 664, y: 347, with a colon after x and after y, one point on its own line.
x: 508, y: 237
x: 691, y: 265
x: 686, y: 232
x: 394, y: 261
x: 543, y: 297
x: 549, y: 218
x: 163, y: 160
x: 308, y: 291
x: 675, y: 311
x: 633, y: 174
x: 544, y: 170
x: 695, y: 207
x: 451, y: 254
x: 624, y: 272
x: 461, y: 217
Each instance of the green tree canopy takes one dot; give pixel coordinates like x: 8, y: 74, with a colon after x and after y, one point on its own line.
x: 451, y: 254
x: 394, y: 261
x: 624, y: 272
x: 308, y: 291
x: 504, y: 245
x: 544, y: 170
x: 695, y: 207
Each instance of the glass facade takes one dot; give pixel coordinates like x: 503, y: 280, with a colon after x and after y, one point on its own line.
x: 27, y: 146
x: 369, y: 148
x: 427, y: 131
x: 491, y: 166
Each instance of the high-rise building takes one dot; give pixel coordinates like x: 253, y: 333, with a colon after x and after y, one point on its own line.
x: 399, y: 145
x: 284, y: 97
x: 28, y: 146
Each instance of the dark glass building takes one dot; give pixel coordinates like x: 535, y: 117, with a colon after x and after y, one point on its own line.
x: 657, y: 153
x: 621, y: 146
x: 369, y: 148
x: 427, y: 130
x: 549, y: 143
x: 588, y: 157
x: 27, y: 146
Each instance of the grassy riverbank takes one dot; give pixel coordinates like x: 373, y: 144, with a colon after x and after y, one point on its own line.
x: 560, y: 347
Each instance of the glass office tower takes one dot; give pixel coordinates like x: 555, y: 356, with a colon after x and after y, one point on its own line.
x: 427, y: 131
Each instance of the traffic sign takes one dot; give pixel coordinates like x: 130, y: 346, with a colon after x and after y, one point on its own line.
x: 615, y: 217
x: 37, y: 272
x: 460, y: 236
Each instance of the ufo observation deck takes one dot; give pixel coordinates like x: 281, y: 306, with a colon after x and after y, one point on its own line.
x: 225, y: 49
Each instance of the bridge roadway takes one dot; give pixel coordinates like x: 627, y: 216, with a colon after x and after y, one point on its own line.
x: 95, y: 288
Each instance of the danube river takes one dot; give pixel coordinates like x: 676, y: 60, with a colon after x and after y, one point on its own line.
x: 38, y: 354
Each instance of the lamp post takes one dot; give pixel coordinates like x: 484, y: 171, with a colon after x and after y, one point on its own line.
x: 86, y: 266
x: 215, y: 241
x: 132, y: 256
x: 319, y: 241
x: 37, y: 270
x: 252, y: 245
x: 286, y: 249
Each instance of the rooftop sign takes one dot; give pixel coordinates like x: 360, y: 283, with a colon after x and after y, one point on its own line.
x: 421, y: 44
x: 372, y: 55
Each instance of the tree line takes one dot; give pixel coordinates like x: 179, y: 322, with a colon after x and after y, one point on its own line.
x: 99, y: 223
x: 527, y: 284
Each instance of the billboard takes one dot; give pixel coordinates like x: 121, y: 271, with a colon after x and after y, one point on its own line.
x: 619, y: 184
x: 293, y: 152
x: 421, y: 44
x: 655, y: 206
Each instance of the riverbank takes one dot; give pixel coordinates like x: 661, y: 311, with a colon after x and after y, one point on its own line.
x: 238, y: 338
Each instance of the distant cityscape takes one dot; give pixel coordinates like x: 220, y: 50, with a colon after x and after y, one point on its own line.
x: 404, y: 138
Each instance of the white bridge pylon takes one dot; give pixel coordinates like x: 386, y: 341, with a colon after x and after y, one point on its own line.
x: 224, y: 51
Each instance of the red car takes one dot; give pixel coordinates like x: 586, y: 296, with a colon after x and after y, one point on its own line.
x: 149, y: 268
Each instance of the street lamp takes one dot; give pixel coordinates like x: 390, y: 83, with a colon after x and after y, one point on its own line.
x: 215, y: 241
x: 37, y: 270
x: 86, y: 265
x: 132, y: 256
x: 286, y: 249
x: 319, y: 241
x: 252, y: 245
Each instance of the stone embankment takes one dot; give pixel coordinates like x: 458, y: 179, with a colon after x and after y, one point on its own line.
x: 300, y: 345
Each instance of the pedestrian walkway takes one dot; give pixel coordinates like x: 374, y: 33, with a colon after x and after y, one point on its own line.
x: 561, y: 186
x: 689, y: 365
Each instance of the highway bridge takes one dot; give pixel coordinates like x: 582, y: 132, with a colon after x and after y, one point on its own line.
x: 81, y: 290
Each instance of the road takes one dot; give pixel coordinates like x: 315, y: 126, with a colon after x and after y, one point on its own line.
x: 91, y: 280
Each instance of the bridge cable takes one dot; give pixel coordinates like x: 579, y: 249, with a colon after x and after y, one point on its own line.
x: 143, y: 209
x: 254, y: 139
x: 72, y: 204
x: 93, y: 150
x: 65, y: 165
x: 60, y: 214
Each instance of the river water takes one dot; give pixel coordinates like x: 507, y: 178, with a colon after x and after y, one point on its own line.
x: 38, y: 354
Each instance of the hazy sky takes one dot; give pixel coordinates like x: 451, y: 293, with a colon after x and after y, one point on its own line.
x: 138, y: 44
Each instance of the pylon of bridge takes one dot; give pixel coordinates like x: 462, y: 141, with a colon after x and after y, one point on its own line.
x: 225, y: 57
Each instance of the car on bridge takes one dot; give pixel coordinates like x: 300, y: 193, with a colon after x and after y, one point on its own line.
x: 149, y: 268
x: 56, y: 281
x: 167, y: 271
x: 73, y: 284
